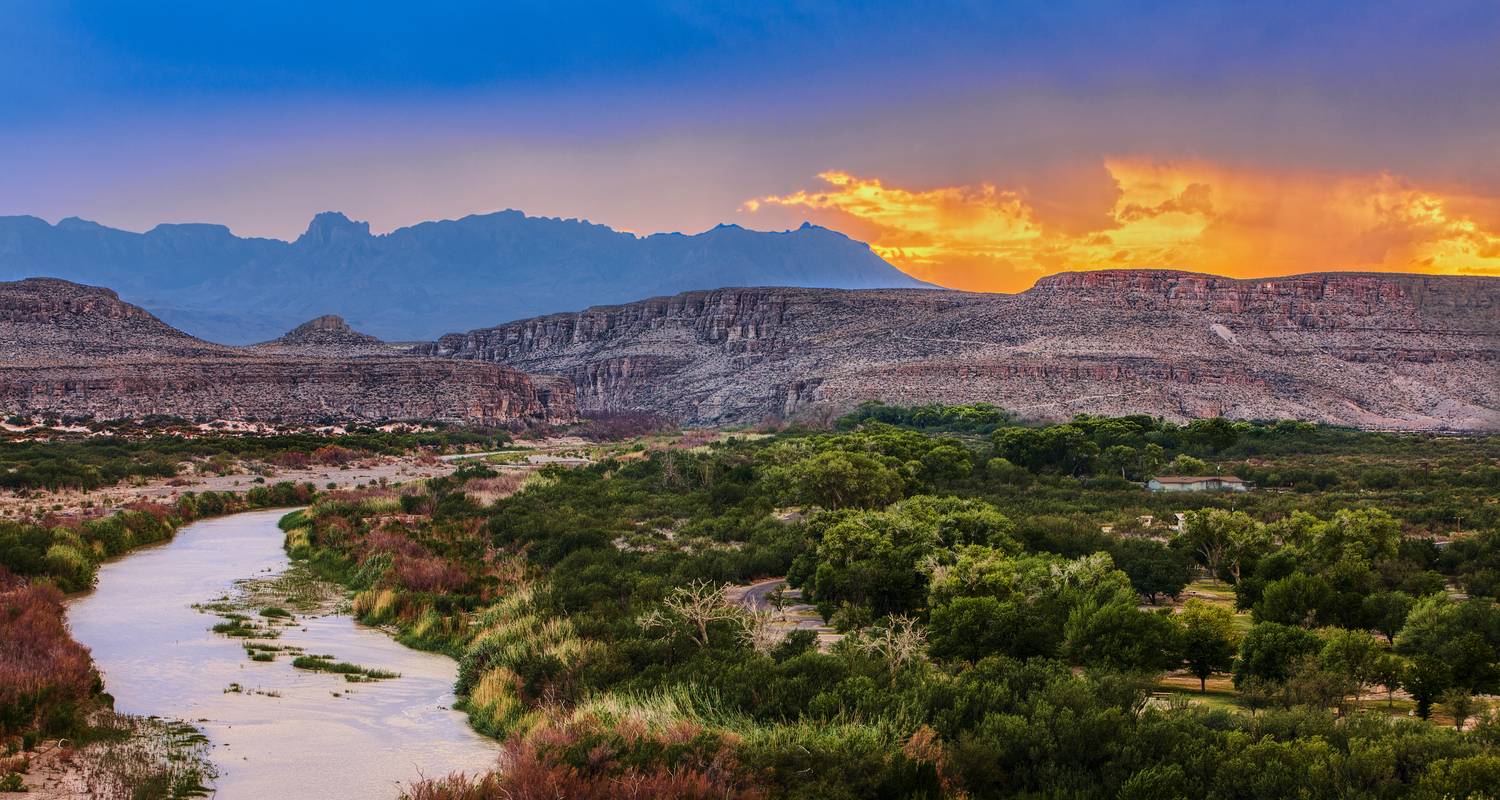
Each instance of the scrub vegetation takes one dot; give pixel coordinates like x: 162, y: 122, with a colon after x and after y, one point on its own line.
x: 1010, y: 612
x: 66, y: 551
x: 51, y: 460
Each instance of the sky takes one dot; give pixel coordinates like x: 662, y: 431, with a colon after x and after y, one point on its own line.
x: 977, y: 145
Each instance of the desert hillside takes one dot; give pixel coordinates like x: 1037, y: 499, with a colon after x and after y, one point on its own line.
x: 1370, y: 350
x: 79, y: 350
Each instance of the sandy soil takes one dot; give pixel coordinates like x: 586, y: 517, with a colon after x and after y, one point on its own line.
x: 392, y: 470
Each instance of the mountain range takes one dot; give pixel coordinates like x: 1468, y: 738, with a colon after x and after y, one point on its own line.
x: 1371, y: 350
x: 421, y: 281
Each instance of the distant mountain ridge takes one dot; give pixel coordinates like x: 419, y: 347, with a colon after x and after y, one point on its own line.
x: 420, y: 281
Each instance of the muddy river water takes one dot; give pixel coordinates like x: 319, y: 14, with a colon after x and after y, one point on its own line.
x: 287, y: 733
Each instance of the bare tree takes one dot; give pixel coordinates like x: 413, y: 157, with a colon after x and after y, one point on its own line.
x: 900, y: 642
x: 698, y: 605
x: 760, y: 632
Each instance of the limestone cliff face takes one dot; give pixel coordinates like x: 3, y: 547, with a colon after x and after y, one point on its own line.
x: 79, y: 350
x: 1331, y: 300
x: 1373, y: 350
x: 290, y: 391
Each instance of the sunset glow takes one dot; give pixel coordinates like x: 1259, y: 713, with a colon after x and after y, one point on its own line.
x: 1165, y: 214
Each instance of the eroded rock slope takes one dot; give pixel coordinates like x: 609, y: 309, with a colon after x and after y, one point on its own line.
x: 79, y: 350
x: 1371, y: 350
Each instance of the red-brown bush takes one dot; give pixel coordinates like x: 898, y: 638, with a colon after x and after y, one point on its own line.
x: 45, y: 676
x: 612, y: 426
x: 589, y: 761
x: 292, y: 459
x: 528, y: 776
x: 334, y: 454
x: 428, y: 574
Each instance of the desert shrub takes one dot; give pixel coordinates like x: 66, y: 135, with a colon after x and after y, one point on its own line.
x: 45, y: 676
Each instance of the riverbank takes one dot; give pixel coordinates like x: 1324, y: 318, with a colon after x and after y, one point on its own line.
x: 277, y: 727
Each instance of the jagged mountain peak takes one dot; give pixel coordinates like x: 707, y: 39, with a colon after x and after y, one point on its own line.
x: 421, y: 281
x: 332, y: 227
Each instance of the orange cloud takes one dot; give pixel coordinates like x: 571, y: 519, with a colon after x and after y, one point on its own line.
x: 1182, y: 215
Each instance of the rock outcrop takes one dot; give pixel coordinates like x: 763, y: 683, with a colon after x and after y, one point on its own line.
x: 1371, y: 350
x: 328, y: 336
x: 79, y: 350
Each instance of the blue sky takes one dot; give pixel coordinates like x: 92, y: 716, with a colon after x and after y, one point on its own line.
x: 669, y: 116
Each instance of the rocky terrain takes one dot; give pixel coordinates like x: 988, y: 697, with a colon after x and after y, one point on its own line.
x: 328, y: 336
x: 79, y: 350
x: 1370, y: 350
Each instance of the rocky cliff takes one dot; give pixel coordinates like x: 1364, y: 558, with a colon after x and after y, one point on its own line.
x: 79, y: 350
x: 1371, y: 350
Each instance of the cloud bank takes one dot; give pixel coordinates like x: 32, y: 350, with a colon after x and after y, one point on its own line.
x: 1190, y: 215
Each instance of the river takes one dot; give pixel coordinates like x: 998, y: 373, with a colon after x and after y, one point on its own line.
x: 290, y: 733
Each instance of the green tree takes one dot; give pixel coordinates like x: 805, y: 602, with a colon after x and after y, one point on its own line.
x: 1426, y: 678
x: 1209, y: 639
x: 1121, y: 637
x: 1270, y: 651
x: 946, y: 462
x: 1387, y: 611
x: 1187, y: 465
x: 872, y: 558
x: 972, y: 628
x: 1367, y: 534
x: 1460, y: 704
x: 1387, y: 672
x: 1154, y: 569
x: 839, y: 479
x: 1462, y: 636
x: 1213, y: 435
x: 1297, y: 599
x: 1059, y: 448
x: 1118, y: 459
x: 1224, y: 540
x: 1352, y: 654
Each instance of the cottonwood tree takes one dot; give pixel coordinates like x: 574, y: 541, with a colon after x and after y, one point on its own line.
x: 1352, y: 654
x: 838, y: 479
x: 1460, y: 704
x: 1209, y: 639
x: 1225, y: 539
x: 1387, y: 671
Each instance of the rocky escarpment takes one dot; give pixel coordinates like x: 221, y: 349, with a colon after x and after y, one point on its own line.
x: 1372, y: 350
x: 79, y: 350
x: 48, y: 321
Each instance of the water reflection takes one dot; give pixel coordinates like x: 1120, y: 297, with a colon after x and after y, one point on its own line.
x: 289, y: 733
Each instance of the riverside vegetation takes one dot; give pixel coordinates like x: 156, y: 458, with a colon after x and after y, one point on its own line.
x: 1016, y: 616
x: 49, y: 688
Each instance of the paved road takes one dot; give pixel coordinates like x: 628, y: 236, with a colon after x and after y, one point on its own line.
x: 534, y: 459
x: 794, y: 613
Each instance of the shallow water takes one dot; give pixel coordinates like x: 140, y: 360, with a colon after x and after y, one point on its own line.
x: 159, y: 658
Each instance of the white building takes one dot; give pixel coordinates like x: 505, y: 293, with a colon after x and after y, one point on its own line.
x: 1203, y: 483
